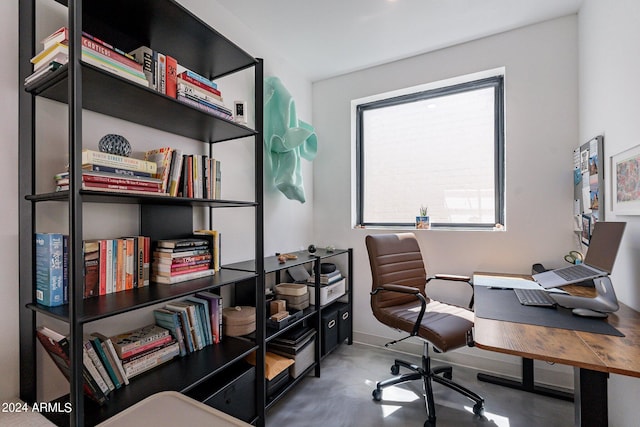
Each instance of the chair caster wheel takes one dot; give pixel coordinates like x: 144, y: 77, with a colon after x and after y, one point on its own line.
x: 395, y: 370
x: 478, y: 409
x: 377, y: 395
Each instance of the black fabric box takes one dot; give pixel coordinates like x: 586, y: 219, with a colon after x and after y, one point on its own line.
x: 344, y: 321
x: 279, y: 381
x: 329, y: 336
x: 236, y: 398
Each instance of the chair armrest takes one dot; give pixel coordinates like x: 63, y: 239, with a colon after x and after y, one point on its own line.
x: 455, y: 278
x: 407, y: 290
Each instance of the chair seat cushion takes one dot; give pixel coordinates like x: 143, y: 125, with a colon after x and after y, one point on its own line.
x: 443, y: 325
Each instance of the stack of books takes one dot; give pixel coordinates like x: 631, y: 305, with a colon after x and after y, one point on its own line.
x: 144, y: 348
x: 326, y: 279
x: 195, y: 322
x: 201, y: 93
x: 112, y: 173
x: 94, y: 51
x: 178, y: 260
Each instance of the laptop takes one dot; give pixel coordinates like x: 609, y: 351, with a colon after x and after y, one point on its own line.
x: 599, y: 261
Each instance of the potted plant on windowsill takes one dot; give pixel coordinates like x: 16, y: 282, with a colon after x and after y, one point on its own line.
x: 422, y: 221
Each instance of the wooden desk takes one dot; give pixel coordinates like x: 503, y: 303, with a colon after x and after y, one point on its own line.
x: 593, y: 356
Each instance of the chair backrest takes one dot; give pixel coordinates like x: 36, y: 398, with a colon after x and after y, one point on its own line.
x: 395, y: 259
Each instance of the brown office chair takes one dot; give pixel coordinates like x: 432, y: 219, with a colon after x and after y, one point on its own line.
x: 398, y: 300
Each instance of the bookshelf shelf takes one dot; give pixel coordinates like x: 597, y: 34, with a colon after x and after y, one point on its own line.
x: 100, y: 307
x: 140, y: 199
x: 112, y: 95
x: 167, y: 27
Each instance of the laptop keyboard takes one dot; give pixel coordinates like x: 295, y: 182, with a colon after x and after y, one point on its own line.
x: 575, y: 272
x: 534, y: 297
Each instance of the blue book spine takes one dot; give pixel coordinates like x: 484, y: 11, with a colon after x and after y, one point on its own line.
x: 65, y: 268
x: 49, y: 269
x: 201, y: 79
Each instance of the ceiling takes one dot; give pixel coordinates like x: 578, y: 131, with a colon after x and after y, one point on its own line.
x: 332, y: 37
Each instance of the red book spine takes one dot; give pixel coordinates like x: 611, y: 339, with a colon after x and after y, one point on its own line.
x: 111, y: 54
x: 120, y: 181
x: 171, y: 80
x: 186, y: 265
x: 201, y: 85
x: 186, y: 259
x: 90, y: 185
x: 103, y: 267
x: 145, y: 347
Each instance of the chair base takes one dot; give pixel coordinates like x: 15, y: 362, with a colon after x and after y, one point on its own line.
x: 441, y: 375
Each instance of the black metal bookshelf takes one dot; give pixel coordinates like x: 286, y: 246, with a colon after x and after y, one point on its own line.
x: 165, y: 26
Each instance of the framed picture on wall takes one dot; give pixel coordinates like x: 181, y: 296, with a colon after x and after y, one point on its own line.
x: 625, y: 168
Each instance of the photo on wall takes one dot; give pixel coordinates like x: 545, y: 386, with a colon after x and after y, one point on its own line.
x: 626, y: 182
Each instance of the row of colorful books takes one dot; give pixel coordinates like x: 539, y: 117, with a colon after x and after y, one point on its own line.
x: 164, y: 171
x: 94, y: 51
x: 143, y: 65
x: 194, y: 322
x: 179, y: 260
x: 109, y: 265
x: 167, y: 76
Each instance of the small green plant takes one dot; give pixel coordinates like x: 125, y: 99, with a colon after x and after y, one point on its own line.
x: 423, y: 210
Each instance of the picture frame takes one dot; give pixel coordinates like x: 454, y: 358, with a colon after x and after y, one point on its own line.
x: 625, y: 170
x: 585, y: 233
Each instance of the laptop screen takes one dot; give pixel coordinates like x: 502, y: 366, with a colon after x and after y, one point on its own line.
x: 604, y: 244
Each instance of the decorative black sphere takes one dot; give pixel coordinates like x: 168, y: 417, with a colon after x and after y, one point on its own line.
x: 311, y: 249
x: 115, y: 144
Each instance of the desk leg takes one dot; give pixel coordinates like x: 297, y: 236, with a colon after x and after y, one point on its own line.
x: 591, y: 398
x: 527, y: 383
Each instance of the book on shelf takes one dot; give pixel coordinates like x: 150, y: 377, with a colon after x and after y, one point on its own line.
x: 57, y: 347
x: 171, y: 320
x: 91, y: 258
x: 204, y: 107
x: 61, y: 35
x: 144, y: 55
x: 326, y: 279
x: 164, y: 254
x: 162, y: 158
x: 187, y: 329
x: 171, y: 268
x: 169, y: 280
x: 42, y: 73
x: 151, y: 359
x: 161, y: 70
x: 65, y: 268
x: 178, y: 271
x: 194, y: 321
x: 49, y: 269
x: 126, y: 343
x: 198, y: 93
x: 96, y: 368
x: 194, y: 77
x: 215, y: 312
x: 171, y: 71
x: 113, y: 188
x: 108, y: 365
x: 116, y: 171
x: 175, y: 171
x: 107, y: 346
x: 187, y: 242
x: 92, y: 157
x: 112, y: 178
x: 215, y: 245
x: 202, y: 307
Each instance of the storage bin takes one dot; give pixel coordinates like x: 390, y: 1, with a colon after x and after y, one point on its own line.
x: 329, y: 336
x: 298, y: 302
x: 236, y: 398
x: 328, y: 293
x: 292, y: 289
x: 344, y: 321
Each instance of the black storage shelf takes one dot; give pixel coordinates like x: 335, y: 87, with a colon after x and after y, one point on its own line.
x: 181, y: 374
x: 107, y: 93
x: 138, y: 199
x: 273, y: 333
x: 100, y: 307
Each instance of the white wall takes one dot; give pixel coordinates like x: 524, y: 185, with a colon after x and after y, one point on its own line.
x: 9, y: 354
x: 609, y: 92
x: 541, y: 131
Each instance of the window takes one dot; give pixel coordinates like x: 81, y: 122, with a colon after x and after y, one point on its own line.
x: 441, y: 148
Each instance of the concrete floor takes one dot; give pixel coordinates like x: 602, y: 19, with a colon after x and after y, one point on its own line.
x: 341, y: 397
